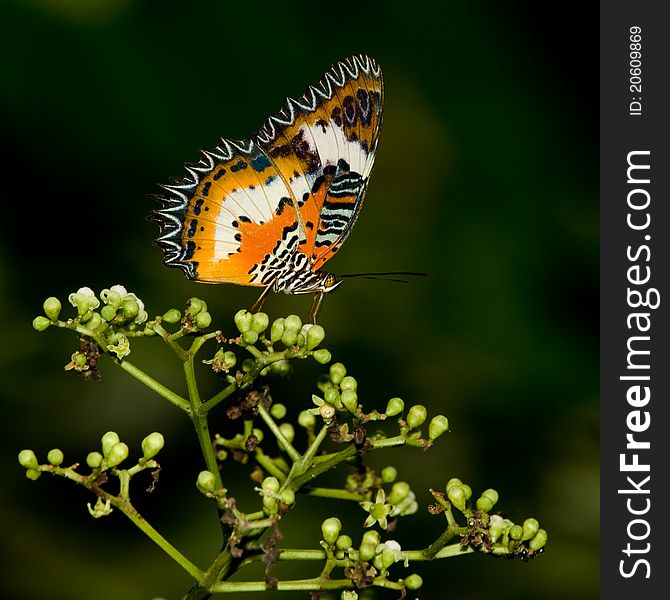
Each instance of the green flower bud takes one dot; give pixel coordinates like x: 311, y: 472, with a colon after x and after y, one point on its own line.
x: 229, y: 359
x: 399, y: 492
x: 416, y: 416
x: 247, y: 364
x: 413, y: 582
x: 468, y: 491
x: 130, y: 309
x: 109, y: 440
x: 203, y: 320
x: 84, y: 300
x: 322, y: 356
x: 258, y: 434
x: 277, y: 330
x: 28, y: 460
x: 349, y: 400
x: 270, y: 485
x: 278, y: 411
x: 152, y: 444
x: 94, y: 460
x: 260, y: 322
x: 337, y: 372
x: 343, y: 542
x: 492, y: 495
x: 387, y: 558
x: 530, y: 528
x: 438, y: 425
x: 288, y: 497
x: 315, y: 335
x: 283, y: 368
x: 367, y: 551
x: 516, y: 532
x: 206, y: 482
x: 389, y: 474
x: 287, y: 431
x: 306, y: 419
x: 196, y: 305
x: 348, y: 595
x: 293, y: 323
x: 243, y: 319
x: 394, y: 407
x: 117, y: 454
x: 250, y: 337
x: 108, y: 312
x: 172, y: 316
x: 371, y: 537
x: 453, y: 481
x: 55, y: 457
x: 484, y: 503
x: 290, y: 338
x: 538, y: 541
x: 327, y: 411
x: 331, y: 530
x: 456, y: 495
x: 348, y: 383
x: 52, y: 308
x: 94, y: 321
x: 332, y: 396
x: 33, y: 474
x: 40, y: 323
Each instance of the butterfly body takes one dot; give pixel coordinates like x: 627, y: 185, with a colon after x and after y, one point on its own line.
x: 271, y: 210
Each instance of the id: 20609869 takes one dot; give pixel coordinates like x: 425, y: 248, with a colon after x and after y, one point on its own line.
x: 635, y: 71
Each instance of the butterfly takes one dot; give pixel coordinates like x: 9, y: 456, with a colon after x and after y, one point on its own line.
x: 271, y: 210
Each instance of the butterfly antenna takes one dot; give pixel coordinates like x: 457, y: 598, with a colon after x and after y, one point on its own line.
x: 386, y: 275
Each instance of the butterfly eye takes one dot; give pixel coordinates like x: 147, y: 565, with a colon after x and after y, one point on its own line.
x: 330, y: 281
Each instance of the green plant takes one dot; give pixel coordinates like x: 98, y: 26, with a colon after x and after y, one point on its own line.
x: 336, y: 431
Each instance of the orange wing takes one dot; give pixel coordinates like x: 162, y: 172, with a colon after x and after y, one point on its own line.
x: 247, y: 207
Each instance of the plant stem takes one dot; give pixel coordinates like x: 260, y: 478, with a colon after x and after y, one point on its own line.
x: 152, y: 384
x: 284, y: 444
x: 208, y: 405
x: 335, y: 493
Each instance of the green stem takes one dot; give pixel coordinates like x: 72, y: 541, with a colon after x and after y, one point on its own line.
x: 314, y: 584
x: 268, y: 464
x: 152, y: 384
x: 167, y: 338
x: 284, y: 444
x: 336, y: 493
x: 208, y: 405
x: 314, y: 447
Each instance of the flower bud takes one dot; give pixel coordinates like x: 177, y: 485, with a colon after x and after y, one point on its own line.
x: 332, y: 395
x: 484, y: 503
x: 327, y: 411
x: 288, y: 497
x: 258, y: 434
x: 94, y: 460
x: 277, y: 330
x: 109, y: 440
x: 33, y: 474
x: 84, y: 300
x: 130, y: 308
x: 152, y: 444
x: 40, y: 323
x: 389, y: 475
x: 467, y: 490
x: 399, y: 492
x: 343, y: 542
x: 530, y: 528
x: 278, y: 411
x: 538, y: 541
x: 331, y: 530
x: 394, y: 407
x: 348, y: 383
x: 290, y: 338
x: 172, y: 316
x: 55, y: 457
x: 349, y: 595
x: 387, y: 558
x: 371, y: 537
x: 94, y: 321
x: 293, y: 323
x: 367, y: 551
x: 203, y: 320
x: 117, y: 454
x: 515, y: 532
x: 52, y: 308
x: 416, y: 416
x: 439, y: 424
x: 196, y: 305
x: 287, y: 431
x: 260, y: 322
x: 315, y: 335
x: 413, y: 582
x: 28, y: 460
x: 306, y: 419
x: 250, y: 337
x: 108, y: 312
x: 456, y: 495
x: 349, y: 400
x: 453, y: 481
x: 243, y: 319
x: 206, y: 482
x: 337, y: 372
x: 247, y: 364
x: 270, y: 485
x: 322, y: 356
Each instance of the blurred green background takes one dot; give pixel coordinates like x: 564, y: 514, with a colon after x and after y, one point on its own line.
x: 486, y: 177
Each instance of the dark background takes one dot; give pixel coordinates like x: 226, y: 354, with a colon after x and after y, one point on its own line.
x: 485, y: 177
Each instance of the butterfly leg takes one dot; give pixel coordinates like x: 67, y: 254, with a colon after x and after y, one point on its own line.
x: 259, y: 303
x: 316, y: 306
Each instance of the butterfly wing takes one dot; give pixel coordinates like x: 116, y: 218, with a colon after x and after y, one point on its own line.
x: 326, y: 142
x: 246, y: 207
